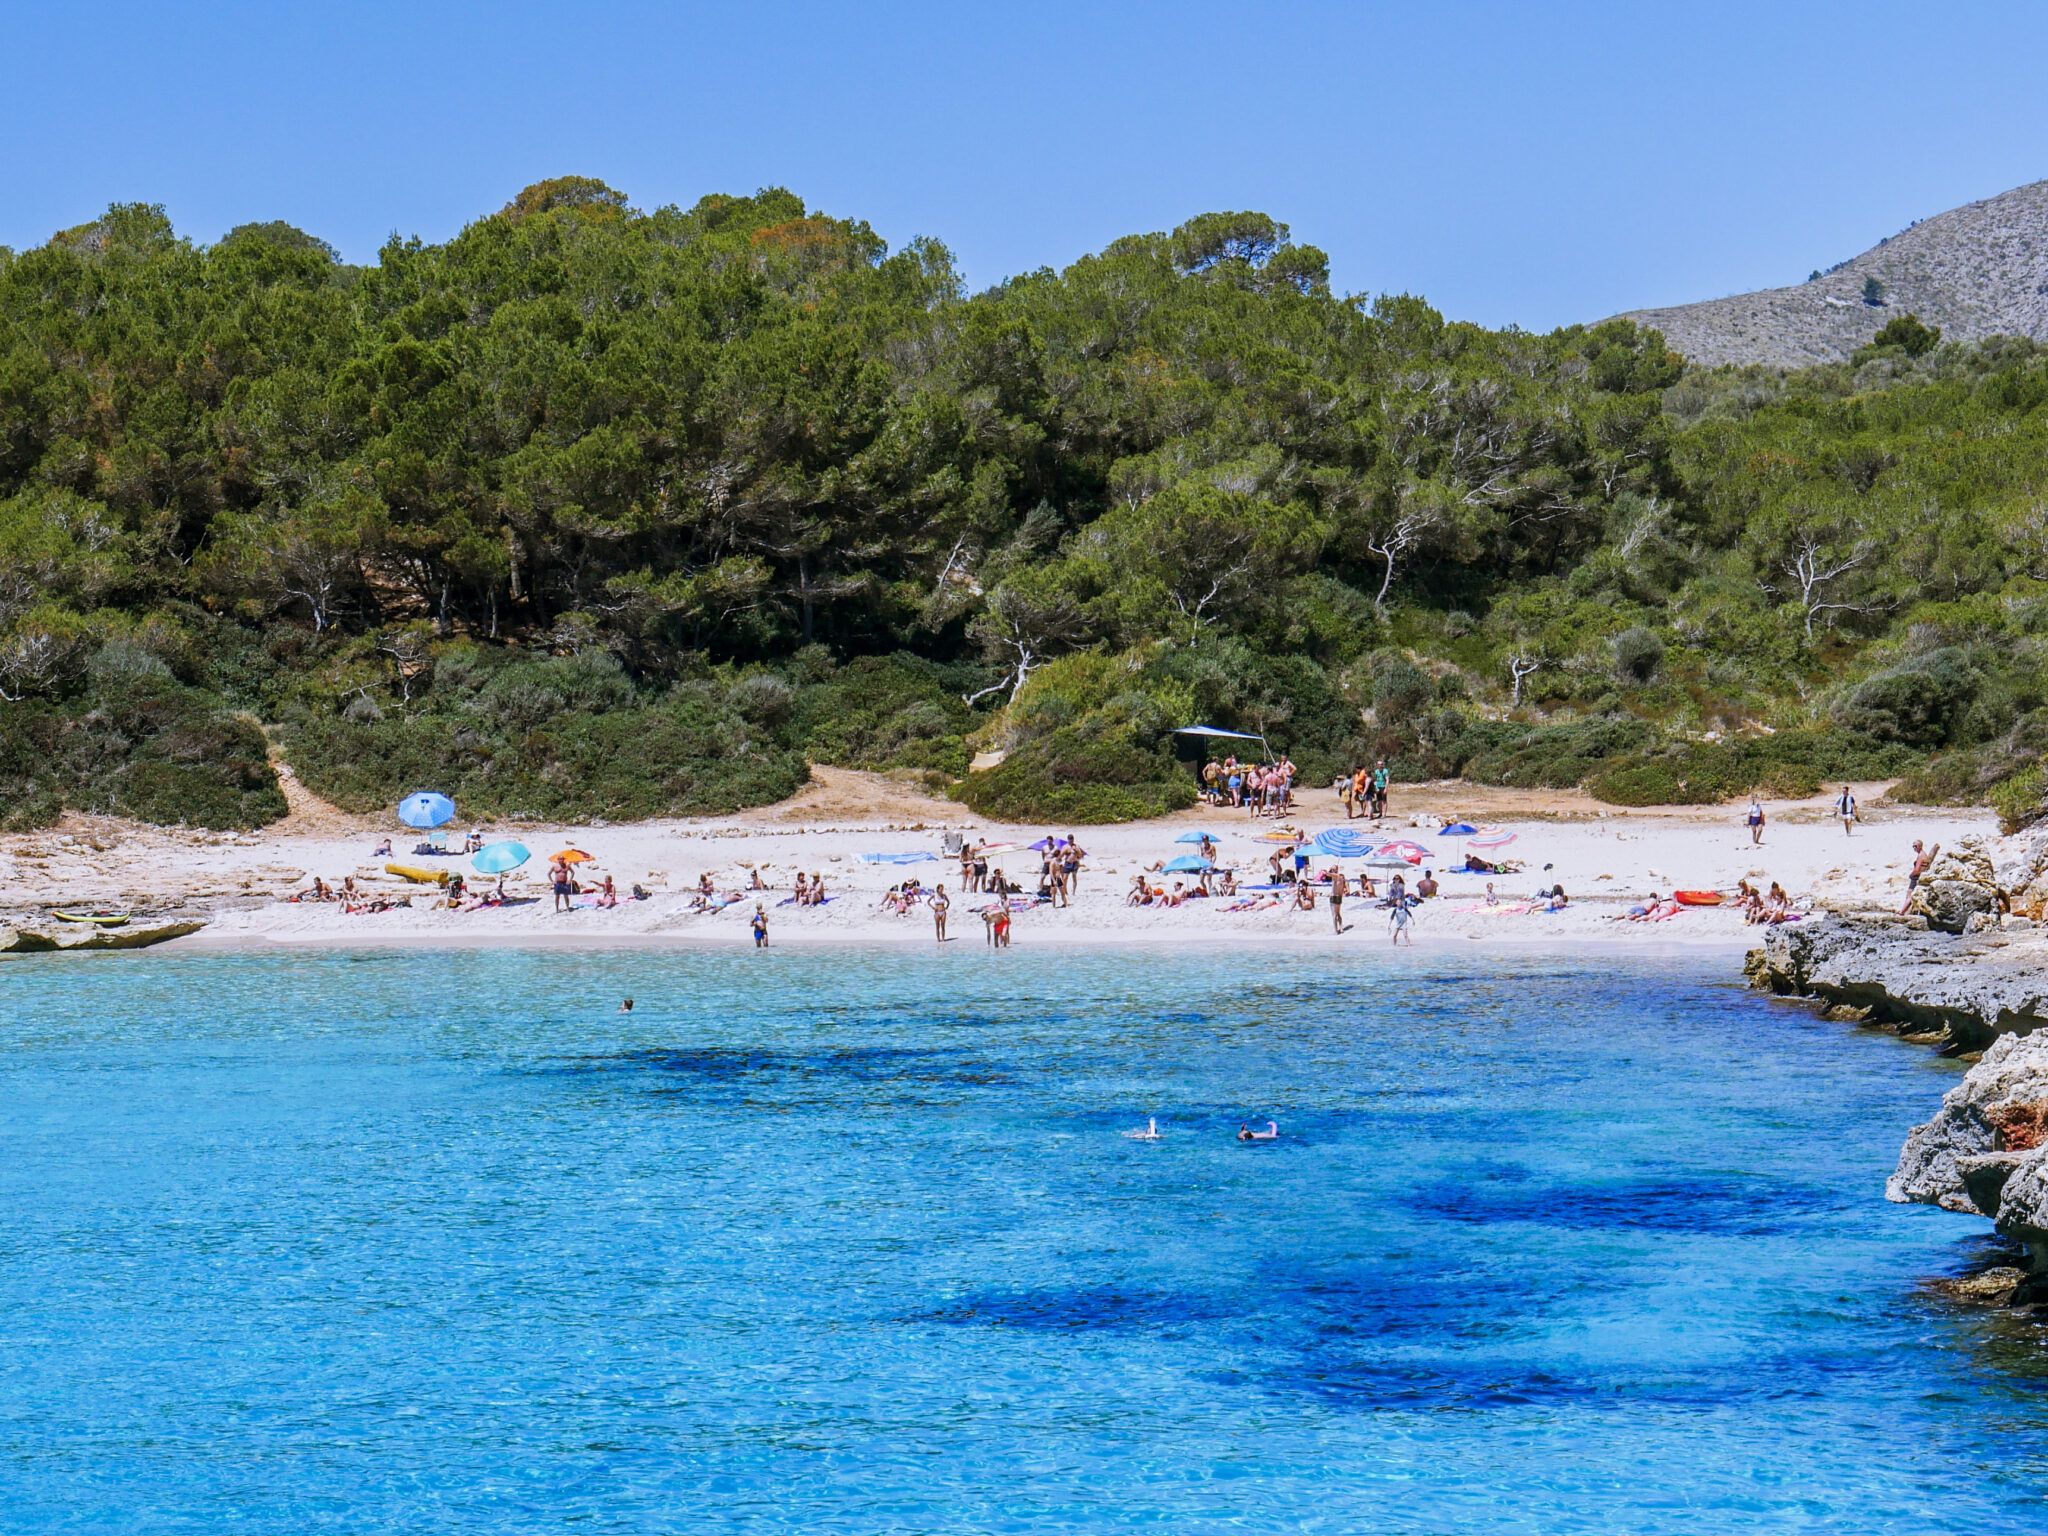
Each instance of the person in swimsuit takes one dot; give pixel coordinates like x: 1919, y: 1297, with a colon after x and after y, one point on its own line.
x: 1270, y: 1133
x: 1001, y: 928
x: 1756, y: 820
x: 1339, y: 889
x: 940, y: 907
x: 558, y: 876
x: 760, y: 926
x: 1923, y: 860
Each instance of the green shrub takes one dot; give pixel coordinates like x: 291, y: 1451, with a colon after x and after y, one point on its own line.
x: 2020, y: 801
x: 135, y: 744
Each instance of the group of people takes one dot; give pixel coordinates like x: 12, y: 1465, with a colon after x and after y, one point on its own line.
x: 1264, y: 789
x: 1757, y: 906
x: 1364, y: 792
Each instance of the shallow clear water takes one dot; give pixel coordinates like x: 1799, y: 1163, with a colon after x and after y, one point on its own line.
x: 830, y: 1241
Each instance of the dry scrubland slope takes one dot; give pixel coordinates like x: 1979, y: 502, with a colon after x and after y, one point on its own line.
x: 1975, y: 271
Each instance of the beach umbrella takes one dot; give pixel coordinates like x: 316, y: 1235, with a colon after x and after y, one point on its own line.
x: 426, y: 809
x: 1343, y: 843
x: 572, y: 856
x: 1196, y: 837
x: 1386, y: 861
x: 1000, y: 847
x: 498, y: 858
x: 1187, y: 863
x: 1411, y: 853
x: 1458, y: 829
x: 1493, y: 839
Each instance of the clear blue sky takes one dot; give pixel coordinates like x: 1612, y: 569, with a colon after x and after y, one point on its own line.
x: 1513, y: 162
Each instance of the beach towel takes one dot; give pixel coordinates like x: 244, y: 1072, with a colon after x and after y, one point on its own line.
x: 899, y: 858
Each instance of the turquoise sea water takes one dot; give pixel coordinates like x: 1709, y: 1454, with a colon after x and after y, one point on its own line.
x: 851, y: 1242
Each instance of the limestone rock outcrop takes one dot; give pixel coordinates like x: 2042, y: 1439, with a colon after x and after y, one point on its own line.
x: 1983, y: 1152
x: 37, y: 938
x: 1963, y: 991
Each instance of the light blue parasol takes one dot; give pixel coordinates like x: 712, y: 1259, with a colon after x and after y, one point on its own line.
x: 500, y: 858
x: 1187, y: 864
x: 426, y: 809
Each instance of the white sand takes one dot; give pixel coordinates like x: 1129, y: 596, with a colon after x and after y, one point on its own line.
x: 1605, y: 859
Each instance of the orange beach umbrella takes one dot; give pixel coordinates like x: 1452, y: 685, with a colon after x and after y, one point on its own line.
x: 571, y: 856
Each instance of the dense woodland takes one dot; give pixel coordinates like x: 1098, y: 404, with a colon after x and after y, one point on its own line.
x: 607, y: 513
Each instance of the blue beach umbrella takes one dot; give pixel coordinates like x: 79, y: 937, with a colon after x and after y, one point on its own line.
x: 500, y: 857
x: 1458, y: 829
x: 1344, y: 843
x: 426, y: 809
x: 1196, y: 837
x: 1187, y: 864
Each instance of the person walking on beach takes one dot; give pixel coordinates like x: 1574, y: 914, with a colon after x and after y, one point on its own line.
x: 940, y: 907
x: 1339, y: 889
x: 1399, y: 921
x: 1923, y: 860
x: 760, y: 926
x: 1379, y: 790
x: 1845, y: 807
x: 1756, y: 820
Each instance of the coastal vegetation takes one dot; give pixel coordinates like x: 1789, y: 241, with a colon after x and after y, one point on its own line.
x: 594, y: 511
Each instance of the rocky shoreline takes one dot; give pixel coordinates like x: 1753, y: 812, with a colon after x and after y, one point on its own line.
x: 1979, y: 996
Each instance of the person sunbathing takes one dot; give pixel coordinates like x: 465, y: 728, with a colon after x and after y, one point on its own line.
x: 758, y: 884
x: 1226, y: 883
x: 1140, y: 894
x: 704, y: 885
x: 817, y: 896
x: 1177, y: 897
x: 803, y: 890
x: 607, y: 894
x: 1304, y: 897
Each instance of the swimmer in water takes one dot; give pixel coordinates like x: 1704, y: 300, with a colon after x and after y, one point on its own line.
x: 1270, y: 1133
x: 626, y: 1006
x: 1150, y: 1133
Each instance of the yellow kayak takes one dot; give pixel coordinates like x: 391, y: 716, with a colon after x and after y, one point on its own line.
x: 417, y: 875
x: 101, y: 919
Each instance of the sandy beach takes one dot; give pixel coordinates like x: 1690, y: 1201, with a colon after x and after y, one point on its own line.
x: 1606, y: 859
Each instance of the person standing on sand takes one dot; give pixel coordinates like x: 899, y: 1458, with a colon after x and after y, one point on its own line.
x: 940, y: 907
x: 1379, y: 789
x: 1339, y: 889
x: 760, y: 926
x: 1845, y: 807
x: 558, y: 877
x: 1923, y: 860
x: 1756, y: 820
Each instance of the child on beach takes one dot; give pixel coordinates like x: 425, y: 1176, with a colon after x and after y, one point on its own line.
x: 760, y: 926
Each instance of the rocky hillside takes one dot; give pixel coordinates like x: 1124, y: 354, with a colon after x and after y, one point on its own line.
x: 1975, y: 271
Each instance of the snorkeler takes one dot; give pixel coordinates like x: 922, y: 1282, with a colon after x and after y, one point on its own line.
x: 1270, y: 1133
x: 1150, y: 1133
